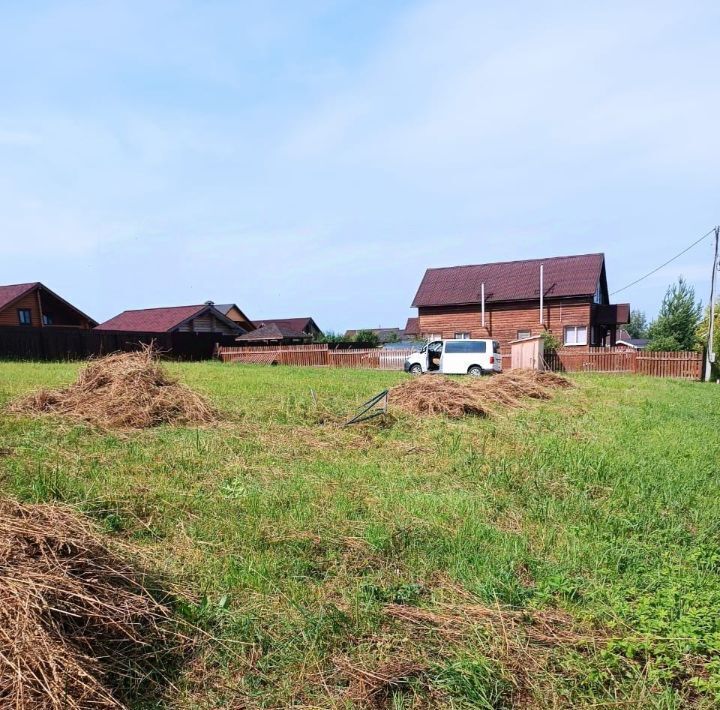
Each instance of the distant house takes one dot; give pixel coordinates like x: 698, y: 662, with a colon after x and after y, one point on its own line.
x: 385, y: 335
x: 412, y: 329
x: 233, y: 312
x: 204, y: 318
x: 34, y: 305
x: 281, y: 331
x: 624, y: 340
x: 503, y: 301
x: 305, y: 325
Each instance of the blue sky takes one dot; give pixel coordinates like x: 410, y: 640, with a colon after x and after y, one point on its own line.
x: 314, y: 157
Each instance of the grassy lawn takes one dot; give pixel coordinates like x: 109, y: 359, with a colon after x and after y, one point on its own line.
x: 294, y: 536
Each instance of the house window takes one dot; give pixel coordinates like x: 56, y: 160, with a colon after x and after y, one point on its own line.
x: 462, y: 336
x: 25, y: 316
x: 433, y: 336
x: 575, y: 335
x: 47, y: 319
x: 523, y: 334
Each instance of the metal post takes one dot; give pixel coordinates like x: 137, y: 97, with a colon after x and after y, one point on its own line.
x: 482, y: 301
x: 709, y: 354
x: 541, y: 294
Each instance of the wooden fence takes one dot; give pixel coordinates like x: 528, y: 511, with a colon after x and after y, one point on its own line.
x: 318, y: 355
x: 58, y: 343
x: 687, y: 365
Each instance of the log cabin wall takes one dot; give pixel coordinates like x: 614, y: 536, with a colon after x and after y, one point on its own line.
x: 9, y: 315
x: 503, y: 321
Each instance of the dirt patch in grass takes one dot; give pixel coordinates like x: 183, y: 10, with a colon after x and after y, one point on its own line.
x: 435, y: 394
x: 78, y: 627
x: 122, y: 391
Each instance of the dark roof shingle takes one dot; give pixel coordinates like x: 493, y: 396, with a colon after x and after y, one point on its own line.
x: 272, y: 331
x: 564, y: 276
x: 151, y: 320
x: 11, y: 293
x: 412, y: 327
x: 294, y: 325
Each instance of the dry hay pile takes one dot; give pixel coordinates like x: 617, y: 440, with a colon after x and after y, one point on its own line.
x: 435, y: 394
x: 77, y: 626
x: 122, y: 391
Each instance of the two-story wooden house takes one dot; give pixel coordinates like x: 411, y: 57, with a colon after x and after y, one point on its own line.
x: 34, y: 305
x: 566, y: 296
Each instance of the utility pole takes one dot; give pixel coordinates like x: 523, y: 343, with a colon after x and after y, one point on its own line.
x: 710, y: 356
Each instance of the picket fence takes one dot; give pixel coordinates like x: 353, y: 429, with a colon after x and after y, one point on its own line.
x: 686, y: 365
x: 316, y: 355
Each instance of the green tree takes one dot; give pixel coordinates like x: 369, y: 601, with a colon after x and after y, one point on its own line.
x: 637, y: 327
x: 676, y: 325
x: 330, y: 336
x: 367, y: 336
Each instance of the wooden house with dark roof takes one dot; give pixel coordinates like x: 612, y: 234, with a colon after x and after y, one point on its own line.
x: 34, y: 305
x: 233, y: 312
x: 203, y: 318
x: 279, y: 332
x: 566, y: 296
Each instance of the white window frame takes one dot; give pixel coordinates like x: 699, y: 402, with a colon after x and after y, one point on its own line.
x: 575, y: 330
x: 463, y: 335
x: 523, y: 334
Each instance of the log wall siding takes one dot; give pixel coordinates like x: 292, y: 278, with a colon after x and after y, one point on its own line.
x: 503, y: 321
x: 9, y: 315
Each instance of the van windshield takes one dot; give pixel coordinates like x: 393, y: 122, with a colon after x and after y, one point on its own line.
x: 465, y: 346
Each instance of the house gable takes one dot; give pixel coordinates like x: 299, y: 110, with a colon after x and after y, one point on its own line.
x: 41, y: 306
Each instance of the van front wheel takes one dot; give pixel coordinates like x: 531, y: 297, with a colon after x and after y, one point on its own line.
x: 475, y: 371
x: 416, y: 369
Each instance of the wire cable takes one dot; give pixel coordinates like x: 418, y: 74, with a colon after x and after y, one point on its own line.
x: 669, y: 261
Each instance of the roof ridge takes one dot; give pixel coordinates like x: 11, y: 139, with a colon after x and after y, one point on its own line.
x: 517, y: 261
x: 162, y: 308
x: 25, y: 283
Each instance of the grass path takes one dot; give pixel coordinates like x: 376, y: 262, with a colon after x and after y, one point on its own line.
x: 294, y: 536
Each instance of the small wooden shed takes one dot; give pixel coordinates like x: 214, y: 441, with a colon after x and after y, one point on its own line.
x: 527, y: 353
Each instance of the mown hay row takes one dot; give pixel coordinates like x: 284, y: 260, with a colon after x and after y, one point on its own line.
x: 122, y: 391
x: 78, y: 628
x: 435, y: 394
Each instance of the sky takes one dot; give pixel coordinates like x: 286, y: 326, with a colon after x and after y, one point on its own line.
x: 314, y: 157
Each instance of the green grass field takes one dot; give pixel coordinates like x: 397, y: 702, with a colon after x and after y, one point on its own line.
x: 293, y: 536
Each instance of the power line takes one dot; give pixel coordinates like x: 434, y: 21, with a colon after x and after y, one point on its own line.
x: 669, y: 261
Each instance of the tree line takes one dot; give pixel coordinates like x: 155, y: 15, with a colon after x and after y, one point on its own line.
x: 681, y: 324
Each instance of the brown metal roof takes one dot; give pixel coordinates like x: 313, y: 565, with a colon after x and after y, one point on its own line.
x: 159, y: 320
x: 11, y: 293
x: 412, y: 327
x: 564, y: 276
x: 295, y: 325
x: 272, y: 331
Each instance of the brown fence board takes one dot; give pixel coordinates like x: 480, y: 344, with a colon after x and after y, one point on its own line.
x: 57, y: 343
x: 686, y: 365
x: 317, y: 355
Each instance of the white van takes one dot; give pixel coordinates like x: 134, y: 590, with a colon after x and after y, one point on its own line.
x: 457, y: 357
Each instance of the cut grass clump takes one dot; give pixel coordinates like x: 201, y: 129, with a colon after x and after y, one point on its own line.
x: 79, y: 628
x: 122, y: 391
x: 475, y: 397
